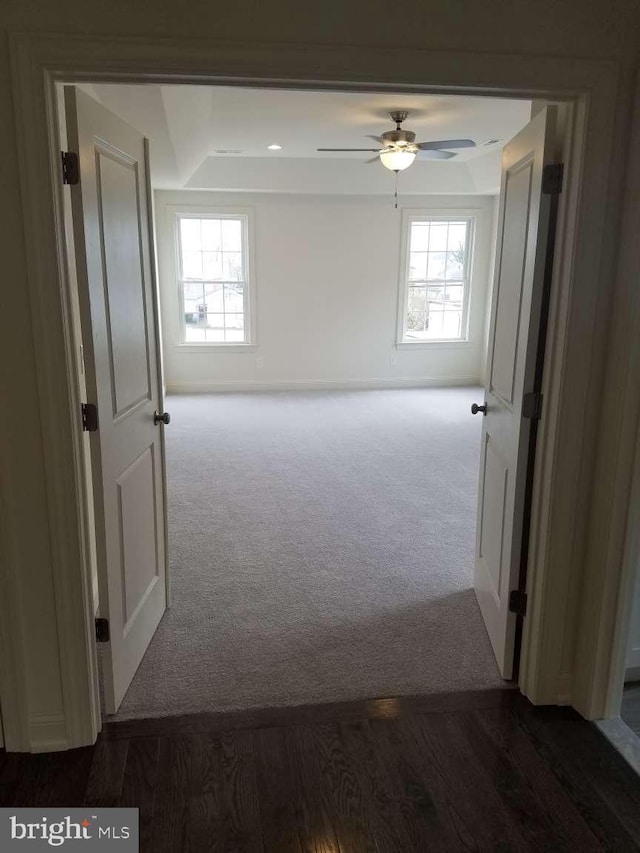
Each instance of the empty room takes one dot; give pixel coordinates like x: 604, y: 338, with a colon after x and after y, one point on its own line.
x: 319, y: 513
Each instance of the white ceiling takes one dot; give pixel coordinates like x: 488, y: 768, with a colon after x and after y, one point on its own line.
x: 190, y: 125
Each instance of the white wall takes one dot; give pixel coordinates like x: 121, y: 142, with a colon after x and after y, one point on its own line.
x: 327, y: 273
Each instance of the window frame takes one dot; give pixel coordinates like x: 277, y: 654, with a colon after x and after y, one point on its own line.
x: 245, y: 215
x: 409, y: 216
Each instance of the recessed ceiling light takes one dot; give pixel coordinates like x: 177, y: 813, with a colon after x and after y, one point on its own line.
x: 274, y: 147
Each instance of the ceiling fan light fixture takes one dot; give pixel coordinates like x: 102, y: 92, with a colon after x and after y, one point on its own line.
x: 396, y: 159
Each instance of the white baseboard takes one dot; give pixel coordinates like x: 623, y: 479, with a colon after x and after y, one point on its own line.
x: 318, y: 384
x: 48, y: 733
x: 632, y: 673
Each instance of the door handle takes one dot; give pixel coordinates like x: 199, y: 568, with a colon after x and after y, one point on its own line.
x: 475, y: 408
x: 165, y: 417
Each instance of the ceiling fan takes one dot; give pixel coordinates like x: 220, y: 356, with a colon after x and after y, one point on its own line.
x: 399, y: 148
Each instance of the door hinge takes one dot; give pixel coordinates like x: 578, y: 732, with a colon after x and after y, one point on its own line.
x: 552, y: 175
x: 532, y: 406
x: 518, y: 602
x: 70, y: 168
x: 102, y: 630
x: 89, y: 417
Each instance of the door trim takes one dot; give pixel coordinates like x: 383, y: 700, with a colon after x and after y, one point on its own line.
x: 576, y: 333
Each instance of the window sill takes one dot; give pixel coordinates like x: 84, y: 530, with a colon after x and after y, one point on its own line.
x: 219, y: 348
x: 455, y: 344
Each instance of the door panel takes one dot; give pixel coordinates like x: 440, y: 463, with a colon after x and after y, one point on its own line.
x: 117, y: 182
x: 522, y: 269
x: 139, y: 564
x: 111, y: 221
x: 511, y: 275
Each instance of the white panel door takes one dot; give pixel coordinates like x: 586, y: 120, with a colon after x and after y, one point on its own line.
x: 522, y: 265
x: 111, y: 222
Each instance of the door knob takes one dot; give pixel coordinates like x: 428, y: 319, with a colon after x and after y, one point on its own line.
x: 475, y: 408
x: 165, y: 417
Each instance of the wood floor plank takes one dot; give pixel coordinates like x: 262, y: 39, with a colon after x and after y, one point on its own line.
x: 467, y: 783
x: 170, y: 825
x: 336, y: 783
x: 389, y: 813
x: 531, y: 791
x: 205, y: 832
x: 241, y: 818
x: 104, y: 785
x: 139, y: 785
x: 276, y: 792
x: 598, y: 780
x: 432, y: 820
x: 14, y: 766
x: 56, y: 779
x: 315, y: 811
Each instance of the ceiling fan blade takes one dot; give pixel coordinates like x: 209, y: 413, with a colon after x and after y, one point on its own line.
x: 446, y: 143
x: 377, y: 139
x: 435, y: 155
x: 375, y: 159
x: 349, y: 149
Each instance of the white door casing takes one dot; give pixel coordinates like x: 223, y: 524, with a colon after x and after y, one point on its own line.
x: 522, y: 265
x: 111, y: 222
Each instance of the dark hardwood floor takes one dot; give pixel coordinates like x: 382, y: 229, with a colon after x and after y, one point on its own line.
x: 482, y: 771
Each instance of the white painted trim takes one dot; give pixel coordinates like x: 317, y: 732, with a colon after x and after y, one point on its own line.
x: 576, y: 332
x: 612, y: 550
x: 48, y: 733
x: 319, y: 384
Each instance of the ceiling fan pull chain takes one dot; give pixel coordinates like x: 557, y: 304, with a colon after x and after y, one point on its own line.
x: 395, y: 195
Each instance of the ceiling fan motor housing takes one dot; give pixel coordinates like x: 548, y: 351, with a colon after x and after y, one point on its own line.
x: 398, y: 138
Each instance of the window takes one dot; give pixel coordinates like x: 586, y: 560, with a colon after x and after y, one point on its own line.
x: 436, y: 279
x: 213, y: 273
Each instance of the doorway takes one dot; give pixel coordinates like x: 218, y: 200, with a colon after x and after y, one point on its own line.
x: 590, y: 87
x: 456, y: 639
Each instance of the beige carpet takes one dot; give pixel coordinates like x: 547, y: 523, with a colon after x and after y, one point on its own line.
x: 321, y: 550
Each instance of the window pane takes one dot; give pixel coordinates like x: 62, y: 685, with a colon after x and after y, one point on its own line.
x: 211, y: 235
x: 192, y: 296
x: 214, y: 298
x: 457, y: 236
x: 454, y: 296
x: 211, y: 265
x: 417, y: 314
x: 232, y: 235
x: 419, y: 237
x: 234, y: 321
x: 438, y: 237
x: 436, y: 266
x: 234, y: 297
x: 234, y: 336
x: 417, y: 266
x: 232, y: 266
x: 215, y: 328
x: 194, y: 334
x: 455, y: 265
x: 190, y: 234
x: 192, y: 265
